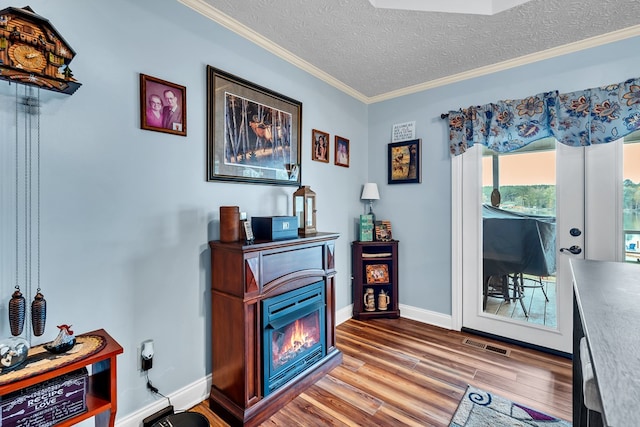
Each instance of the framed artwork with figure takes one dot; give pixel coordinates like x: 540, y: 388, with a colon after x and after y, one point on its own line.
x: 253, y: 133
x: 383, y: 231
x: 319, y: 146
x: 163, y: 106
x: 377, y: 273
x: 404, y: 162
x: 342, y: 151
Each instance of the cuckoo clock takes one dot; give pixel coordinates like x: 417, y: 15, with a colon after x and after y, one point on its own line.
x: 33, y: 52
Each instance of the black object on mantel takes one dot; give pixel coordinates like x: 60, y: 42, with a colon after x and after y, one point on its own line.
x: 274, y: 227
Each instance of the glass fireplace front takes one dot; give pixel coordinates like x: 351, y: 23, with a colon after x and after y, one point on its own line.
x: 293, y: 334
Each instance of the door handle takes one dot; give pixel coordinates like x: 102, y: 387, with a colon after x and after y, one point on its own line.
x: 575, y: 249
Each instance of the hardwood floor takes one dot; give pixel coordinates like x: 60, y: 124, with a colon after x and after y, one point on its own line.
x: 401, y: 372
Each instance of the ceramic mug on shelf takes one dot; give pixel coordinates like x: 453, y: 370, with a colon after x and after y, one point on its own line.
x: 369, y: 300
x: 383, y: 300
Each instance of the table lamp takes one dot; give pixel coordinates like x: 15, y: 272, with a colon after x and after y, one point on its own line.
x: 370, y: 193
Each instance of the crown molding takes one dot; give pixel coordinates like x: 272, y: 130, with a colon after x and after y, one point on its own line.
x: 231, y: 24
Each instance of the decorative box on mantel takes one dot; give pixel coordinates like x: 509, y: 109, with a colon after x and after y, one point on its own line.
x: 274, y: 227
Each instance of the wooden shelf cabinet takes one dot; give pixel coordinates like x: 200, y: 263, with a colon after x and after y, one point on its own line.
x: 374, y: 267
x: 102, y: 397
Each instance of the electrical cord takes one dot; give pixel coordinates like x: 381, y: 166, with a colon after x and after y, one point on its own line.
x: 154, y: 389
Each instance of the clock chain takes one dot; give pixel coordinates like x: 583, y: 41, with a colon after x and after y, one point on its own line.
x: 17, y: 304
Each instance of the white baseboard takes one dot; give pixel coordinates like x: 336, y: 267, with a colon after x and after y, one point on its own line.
x: 344, y: 314
x: 407, y: 311
x: 426, y: 316
x: 187, y: 397
x: 198, y: 391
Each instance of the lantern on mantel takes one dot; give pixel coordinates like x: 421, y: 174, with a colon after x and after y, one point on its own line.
x: 304, y: 208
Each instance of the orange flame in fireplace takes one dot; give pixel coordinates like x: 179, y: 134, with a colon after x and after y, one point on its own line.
x: 297, y: 339
x: 298, y: 336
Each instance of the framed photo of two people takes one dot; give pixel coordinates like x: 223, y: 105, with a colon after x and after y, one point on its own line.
x: 163, y: 106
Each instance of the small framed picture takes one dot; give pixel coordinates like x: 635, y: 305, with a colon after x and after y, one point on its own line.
x: 342, y: 151
x: 404, y: 162
x: 163, y: 106
x: 319, y: 146
x: 377, y: 273
x: 248, y: 232
x: 383, y: 231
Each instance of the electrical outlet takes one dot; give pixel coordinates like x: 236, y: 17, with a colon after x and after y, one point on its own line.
x: 146, y: 355
x: 153, y: 418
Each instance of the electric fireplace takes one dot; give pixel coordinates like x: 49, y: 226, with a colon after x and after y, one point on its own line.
x: 272, y: 323
x: 293, y: 334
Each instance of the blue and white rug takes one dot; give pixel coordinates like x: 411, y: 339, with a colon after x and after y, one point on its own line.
x: 479, y: 408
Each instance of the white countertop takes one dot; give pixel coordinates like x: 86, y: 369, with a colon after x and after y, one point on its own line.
x: 608, y: 297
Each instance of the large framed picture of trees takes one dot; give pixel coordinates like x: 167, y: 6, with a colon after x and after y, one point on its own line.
x: 253, y: 133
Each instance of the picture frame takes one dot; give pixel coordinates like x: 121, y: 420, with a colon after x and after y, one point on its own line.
x: 248, y: 232
x: 163, y: 106
x: 383, y: 231
x: 320, y: 146
x: 253, y: 133
x: 404, y: 162
x: 377, y: 273
x: 342, y: 155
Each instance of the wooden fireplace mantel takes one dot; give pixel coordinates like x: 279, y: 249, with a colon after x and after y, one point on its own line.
x: 242, y: 276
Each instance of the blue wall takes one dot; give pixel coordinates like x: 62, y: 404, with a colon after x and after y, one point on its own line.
x: 421, y: 214
x: 127, y: 213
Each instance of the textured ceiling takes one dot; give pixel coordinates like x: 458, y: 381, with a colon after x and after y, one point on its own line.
x: 373, y: 52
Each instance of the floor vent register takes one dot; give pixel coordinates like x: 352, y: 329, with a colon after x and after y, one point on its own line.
x: 486, y: 346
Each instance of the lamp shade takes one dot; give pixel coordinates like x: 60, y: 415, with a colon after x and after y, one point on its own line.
x: 370, y: 191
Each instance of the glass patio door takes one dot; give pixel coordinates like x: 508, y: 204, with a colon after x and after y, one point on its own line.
x: 519, y: 234
x: 585, y: 205
x: 631, y: 198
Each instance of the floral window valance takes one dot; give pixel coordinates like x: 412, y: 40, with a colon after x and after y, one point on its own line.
x: 591, y: 116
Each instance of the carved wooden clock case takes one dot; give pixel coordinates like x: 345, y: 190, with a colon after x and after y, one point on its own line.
x: 33, y: 52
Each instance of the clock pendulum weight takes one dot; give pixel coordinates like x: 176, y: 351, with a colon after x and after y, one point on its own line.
x: 17, y: 310
x: 38, y: 314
